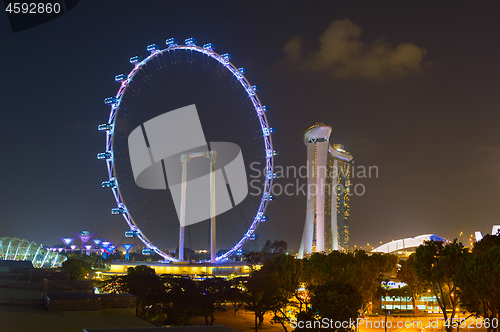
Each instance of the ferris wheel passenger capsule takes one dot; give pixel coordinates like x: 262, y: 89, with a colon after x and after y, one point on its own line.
x: 105, y: 126
x: 270, y: 153
x: 109, y: 184
x: 190, y: 41
x: 104, y: 155
x: 242, y: 70
x: 152, y: 48
x: 121, y: 77
x: 117, y: 210
x: 130, y: 233
x: 226, y: 56
x: 271, y: 175
x: 261, y: 110
x: 253, y: 237
x: 146, y: 251
x: 110, y: 100
x: 171, y: 42
x: 209, y: 46
x: 136, y: 59
x: 268, y: 196
x: 255, y: 87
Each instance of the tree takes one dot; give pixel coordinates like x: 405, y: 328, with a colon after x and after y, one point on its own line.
x: 438, y: 265
x: 479, y: 280
x: 76, y: 268
x: 253, y: 258
x: 408, y: 275
x: 359, y: 269
x: 286, y: 273
x: 149, y: 289
x: 211, y: 297
x: 234, y: 294
x: 337, y: 301
x: 181, y: 303
x: 262, y: 295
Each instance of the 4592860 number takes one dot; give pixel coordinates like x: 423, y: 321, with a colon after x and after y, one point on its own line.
x: 33, y: 8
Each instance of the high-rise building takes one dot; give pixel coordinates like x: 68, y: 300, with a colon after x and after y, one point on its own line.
x: 328, y: 180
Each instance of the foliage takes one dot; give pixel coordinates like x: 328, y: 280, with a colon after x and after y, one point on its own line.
x: 335, y: 301
x: 211, y: 296
x: 286, y: 273
x: 181, y: 304
x: 253, y: 258
x: 273, y: 249
x: 76, y: 268
x: 262, y: 295
x: 408, y: 275
x: 235, y: 294
x: 479, y: 279
x: 438, y: 265
x: 358, y: 269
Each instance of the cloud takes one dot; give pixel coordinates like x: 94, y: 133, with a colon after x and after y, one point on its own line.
x: 344, y: 55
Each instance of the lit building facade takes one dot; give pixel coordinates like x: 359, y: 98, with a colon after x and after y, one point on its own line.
x: 328, y: 180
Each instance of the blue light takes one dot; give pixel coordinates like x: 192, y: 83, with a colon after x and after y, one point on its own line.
x: 190, y: 42
x: 262, y: 109
x: 130, y: 234
x: 268, y: 196
x: 265, y: 131
x: 264, y: 219
x: 227, y: 56
x: 121, y: 77
x: 242, y: 70
x: 117, y: 210
x: 152, y: 48
x: 270, y: 153
x: 109, y: 184
x: 136, y: 59
x: 271, y: 175
x: 110, y: 100
x: 104, y: 155
x: 171, y: 42
x: 255, y: 87
x: 250, y: 91
x: 146, y: 251
x: 272, y: 130
x: 105, y: 126
x: 253, y: 237
x: 209, y: 46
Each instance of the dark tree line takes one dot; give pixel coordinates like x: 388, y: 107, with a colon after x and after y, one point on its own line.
x: 338, y: 286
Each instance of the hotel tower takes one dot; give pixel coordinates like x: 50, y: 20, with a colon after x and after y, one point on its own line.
x: 328, y: 179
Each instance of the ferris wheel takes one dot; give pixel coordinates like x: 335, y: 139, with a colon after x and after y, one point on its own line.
x: 165, y: 82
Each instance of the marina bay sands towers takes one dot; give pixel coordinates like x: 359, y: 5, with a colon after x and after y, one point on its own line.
x: 329, y: 171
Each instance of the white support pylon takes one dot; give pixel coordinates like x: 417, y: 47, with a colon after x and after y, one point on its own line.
x: 213, y: 249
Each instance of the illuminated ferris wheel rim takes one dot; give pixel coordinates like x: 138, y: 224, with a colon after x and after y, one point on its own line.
x: 125, y: 79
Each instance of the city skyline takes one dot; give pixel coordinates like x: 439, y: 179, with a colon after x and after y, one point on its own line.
x: 409, y: 88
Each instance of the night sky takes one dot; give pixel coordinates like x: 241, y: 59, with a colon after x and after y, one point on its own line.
x: 408, y: 87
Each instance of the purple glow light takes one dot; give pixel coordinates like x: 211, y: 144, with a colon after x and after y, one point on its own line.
x: 260, y: 110
x: 84, y: 236
x: 67, y: 240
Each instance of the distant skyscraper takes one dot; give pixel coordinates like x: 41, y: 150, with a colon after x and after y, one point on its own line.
x: 327, y: 214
